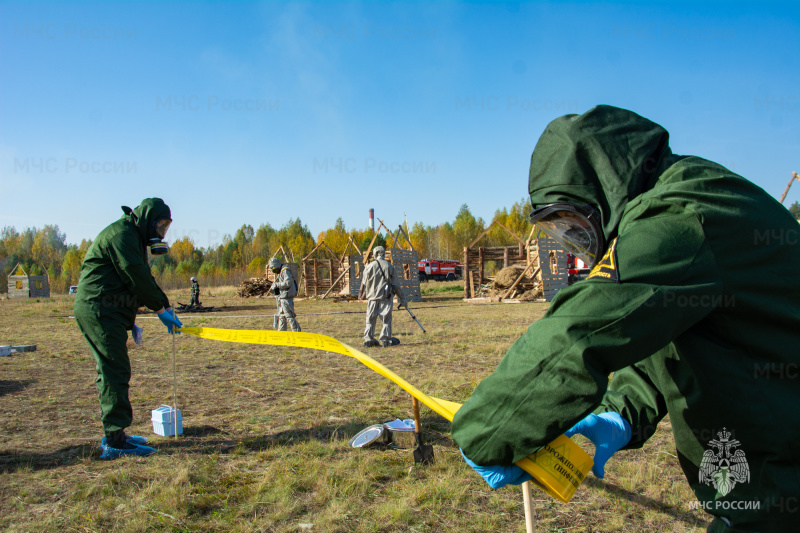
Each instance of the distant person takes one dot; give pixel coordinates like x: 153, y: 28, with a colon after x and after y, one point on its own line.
x: 692, y: 302
x: 115, y: 280
x: 378, y: 286
x: 285, y: 289
x: 195, y: 293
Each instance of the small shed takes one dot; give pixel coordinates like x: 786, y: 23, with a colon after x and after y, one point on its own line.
x: 21, y: 285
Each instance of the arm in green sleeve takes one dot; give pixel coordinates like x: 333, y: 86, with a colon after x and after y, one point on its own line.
x: 557, y: 372
x: 127, y: 259
x: 633, y: 394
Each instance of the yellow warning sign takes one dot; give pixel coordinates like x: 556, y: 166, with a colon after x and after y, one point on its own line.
x: 558, y: 468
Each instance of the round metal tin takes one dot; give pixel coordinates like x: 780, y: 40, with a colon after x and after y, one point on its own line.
x: 367, y: 436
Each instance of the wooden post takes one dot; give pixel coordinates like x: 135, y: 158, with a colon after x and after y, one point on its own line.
x: 791, y: 180
x: 480, y: 267
x: 466, y: 273
x: 316, y: 275
x: 530, y: 518
x: 505, y: 257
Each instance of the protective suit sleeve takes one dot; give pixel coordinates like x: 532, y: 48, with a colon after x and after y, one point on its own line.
x: 123, y: 249
x: 284, y: 280
x: 633, y: 394
x: 557, y: 372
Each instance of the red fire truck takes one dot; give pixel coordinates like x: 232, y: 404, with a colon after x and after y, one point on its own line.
x: 576, y: 269
x: 439, y: 270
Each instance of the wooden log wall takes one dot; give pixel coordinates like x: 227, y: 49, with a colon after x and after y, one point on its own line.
x: 317, y: 284
x: 475, y: 262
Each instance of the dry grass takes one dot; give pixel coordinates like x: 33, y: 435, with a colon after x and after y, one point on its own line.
x: 266, y: 430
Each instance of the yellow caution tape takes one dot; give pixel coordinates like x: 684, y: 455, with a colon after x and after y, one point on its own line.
x: 558, y: 468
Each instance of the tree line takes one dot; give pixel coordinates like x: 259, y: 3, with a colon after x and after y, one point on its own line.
x: 246, y: 253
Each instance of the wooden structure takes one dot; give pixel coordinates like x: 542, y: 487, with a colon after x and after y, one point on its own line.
x: 476, y: 258
x: 287, y: 258
x: 352, y: 268
x: 322, y: 275
x: 527, y: 254
x: 405, y: 262
x: 338, y: 276
x: 553, y: 262
x: 21, y: 285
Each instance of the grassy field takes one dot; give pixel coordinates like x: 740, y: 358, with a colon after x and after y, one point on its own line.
x: 266, y: 436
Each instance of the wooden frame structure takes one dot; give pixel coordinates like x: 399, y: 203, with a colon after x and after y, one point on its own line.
x: 25, y: 286
x: 339, y: 276
x: 321, y: 275
x: 551, y: 274
x: 475, y: 259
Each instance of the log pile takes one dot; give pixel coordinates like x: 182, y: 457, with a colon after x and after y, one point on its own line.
x: 254, y: 287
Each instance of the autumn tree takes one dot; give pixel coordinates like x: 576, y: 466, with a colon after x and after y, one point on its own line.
x: 336, y: 237
x: 296, y: 237
x: 466, y: 227
x: 794, y: 209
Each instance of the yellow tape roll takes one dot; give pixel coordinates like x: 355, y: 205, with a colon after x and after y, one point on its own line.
x: 558, y: 468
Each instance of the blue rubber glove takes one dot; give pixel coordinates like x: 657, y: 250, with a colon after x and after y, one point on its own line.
x: 169, y: 319
x: 608, y: 431
x: 499, y: 476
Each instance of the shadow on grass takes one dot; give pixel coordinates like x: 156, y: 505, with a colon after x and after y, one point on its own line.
x: 10, y: 461
x: 207, y: 440
x: 12, y: 386
x: 434, y: 430
x: 643, y: 501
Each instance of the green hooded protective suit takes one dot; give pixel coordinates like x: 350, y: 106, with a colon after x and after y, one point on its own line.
x: 694, y: 308
x: 115, y: 280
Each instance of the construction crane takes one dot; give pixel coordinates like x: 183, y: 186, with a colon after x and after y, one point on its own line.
x: 795, y: 176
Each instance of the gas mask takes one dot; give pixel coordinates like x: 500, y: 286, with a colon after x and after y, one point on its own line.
x: 577, y: 229
x: 275, y: 265
x: 156, y: 244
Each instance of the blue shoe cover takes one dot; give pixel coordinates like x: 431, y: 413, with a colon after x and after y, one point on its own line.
x: 114, y: 453
x: 131, y: 439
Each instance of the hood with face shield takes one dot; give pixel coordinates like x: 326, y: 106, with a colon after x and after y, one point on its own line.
x: 152, y: 218
x: 593, y: 165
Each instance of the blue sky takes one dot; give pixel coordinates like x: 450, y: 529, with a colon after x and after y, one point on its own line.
x: 260, y: 112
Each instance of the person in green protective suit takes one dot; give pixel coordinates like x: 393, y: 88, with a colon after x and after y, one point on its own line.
x: 115, y: 280
x: 693, y: 303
